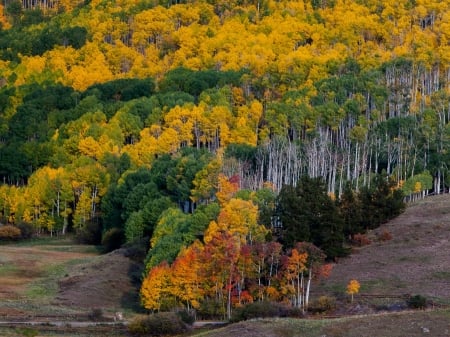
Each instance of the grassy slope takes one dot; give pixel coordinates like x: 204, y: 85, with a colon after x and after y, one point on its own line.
x: 415, y: 324
x: 29, y: 274
x: 415, y: 261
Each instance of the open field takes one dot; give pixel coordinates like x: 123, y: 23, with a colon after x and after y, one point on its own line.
x: 55, y: 280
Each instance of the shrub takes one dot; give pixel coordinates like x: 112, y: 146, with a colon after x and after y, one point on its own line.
x: 262, y: 309
x: 90, y: 234
x: 159, y: 324
x: 385, y: 236
x: 113, y: 239
x: 186, y: 316
x: 137, y: 249
x: 9, y: 232
x: 290, y: 311
x: 96, y: 314
x: 417, y: 302
x: 361, y: 240
x: 323, y: 304
x: 210, y: 309
x: 27, y: 332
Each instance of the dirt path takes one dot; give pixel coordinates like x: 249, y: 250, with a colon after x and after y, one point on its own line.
x: 73, y: 324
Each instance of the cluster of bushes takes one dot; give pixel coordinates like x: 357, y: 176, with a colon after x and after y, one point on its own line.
x: 159, y: 324
x: 9, y: 233
x: 265, y: 309
x: 174, y: 323
x: 21, y: 231
x: 322, y: 304
x: 417, y: 302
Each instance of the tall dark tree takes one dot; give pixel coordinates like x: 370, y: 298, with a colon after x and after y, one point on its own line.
x: 350, y: 208
x: 308, y: 214
x: 380, y: 203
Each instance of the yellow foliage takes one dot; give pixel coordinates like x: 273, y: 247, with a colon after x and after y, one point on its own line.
x: 417, y: 187
x: 89, y: 147
x: 29, y: 69
x: 239, y: 218
x: 3, y: 21
x: 91, y: 67
x: 226, y: 189
x: 353, y: 287
x: 155, y: 286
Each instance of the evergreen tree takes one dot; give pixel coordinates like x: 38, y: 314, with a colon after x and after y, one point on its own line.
x: 381, y: 203
x: 351, y: 211
x: 308, y: 214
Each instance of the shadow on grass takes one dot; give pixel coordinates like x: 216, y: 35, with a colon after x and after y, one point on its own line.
x: 131, y: 300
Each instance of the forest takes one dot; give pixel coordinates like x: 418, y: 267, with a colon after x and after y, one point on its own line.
x: 242, y: 143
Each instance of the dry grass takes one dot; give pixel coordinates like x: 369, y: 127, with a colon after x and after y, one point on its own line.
x: 414, y: 261
x: 60, y: 278
x: 22, y: 269
x: 405, y: 324
x: 105, y: 282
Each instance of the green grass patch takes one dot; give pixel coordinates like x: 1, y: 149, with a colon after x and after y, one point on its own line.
x: 8, y: 268
x: 414, y: 258
x: 374, y: 285
x: 59, y: 244
x: 441, y: 275
x: 334, y: 288
x: 46, y: 287
x: 45, y: 240
x: 84, y: 249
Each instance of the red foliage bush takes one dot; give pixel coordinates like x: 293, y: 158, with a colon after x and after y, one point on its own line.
x: 385, y: 236
x: 361, y: 240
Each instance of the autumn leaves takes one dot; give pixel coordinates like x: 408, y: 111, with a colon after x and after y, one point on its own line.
x: 233, y: 264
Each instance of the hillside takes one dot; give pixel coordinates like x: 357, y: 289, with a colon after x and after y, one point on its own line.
x: 59, y: 280
x: 415, y: 261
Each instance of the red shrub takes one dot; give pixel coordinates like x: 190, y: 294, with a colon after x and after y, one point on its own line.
x: 361, y: 240
x: 385, y: 236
